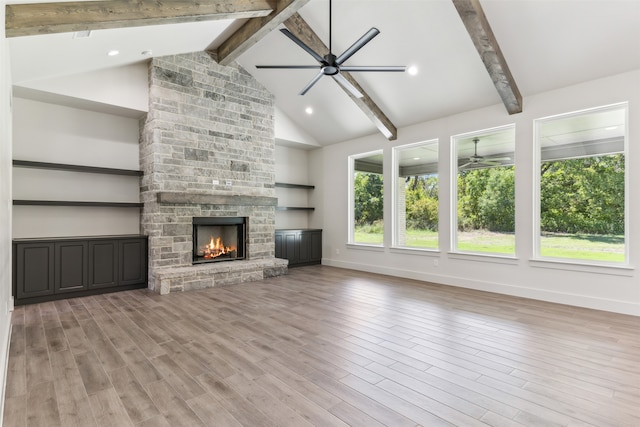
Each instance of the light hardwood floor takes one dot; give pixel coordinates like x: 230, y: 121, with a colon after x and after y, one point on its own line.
x: 321, y: 346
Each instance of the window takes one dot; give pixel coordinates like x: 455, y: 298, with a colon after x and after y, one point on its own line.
x: 366, y: 199
x: 581, y: 186
x: 416, y: 195
x: 484, y: 189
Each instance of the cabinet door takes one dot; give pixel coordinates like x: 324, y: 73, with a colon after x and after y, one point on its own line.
x: 316, y: 245
x: 132, y: 268
x: 103, y: 263
x: 34, y: 269
x: 71, y: 266
x: 279, y: 245
x: 304, y: 243
x: 291, y: 247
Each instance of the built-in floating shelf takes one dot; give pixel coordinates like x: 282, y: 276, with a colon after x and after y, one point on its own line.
x: 294, y: 208
x: 76, y: 168
x: 298, y: 186
x: 77, y: 204
x: 301, y: 186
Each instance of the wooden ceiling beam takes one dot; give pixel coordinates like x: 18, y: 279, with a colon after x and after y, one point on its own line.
x: 253, y: 30
x: 299, y: 27
x: 485, y: 42
x: 48, y: 18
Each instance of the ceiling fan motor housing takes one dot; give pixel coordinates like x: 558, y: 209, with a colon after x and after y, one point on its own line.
x: 330, y: 68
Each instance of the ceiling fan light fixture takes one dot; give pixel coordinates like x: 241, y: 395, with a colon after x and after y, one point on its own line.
x: 412, y: 70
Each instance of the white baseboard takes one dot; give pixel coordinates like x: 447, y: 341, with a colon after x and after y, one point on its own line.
x: 616, y: 306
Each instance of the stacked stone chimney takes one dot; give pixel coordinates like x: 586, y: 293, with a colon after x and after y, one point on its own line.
x: 207, y: 149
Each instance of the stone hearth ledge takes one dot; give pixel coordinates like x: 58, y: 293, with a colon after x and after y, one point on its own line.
x: 202, y: 276
x: 214, y: 199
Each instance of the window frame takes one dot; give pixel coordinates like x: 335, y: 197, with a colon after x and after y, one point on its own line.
x: 453, y: 208
x: 395, y: 157
x: 351, y: 195
x: 541, y: 260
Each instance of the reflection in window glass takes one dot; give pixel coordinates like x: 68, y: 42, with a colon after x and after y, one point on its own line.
x: 581, y: 181
x: 367, y: 225
x: 485, y: 192
x: 416, y: 200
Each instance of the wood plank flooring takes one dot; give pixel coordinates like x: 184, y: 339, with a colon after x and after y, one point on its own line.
x: 321, y: 346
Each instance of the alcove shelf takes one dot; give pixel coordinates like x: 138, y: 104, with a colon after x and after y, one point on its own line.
x: 76, y: 203
x: 75, y: 168
x: 294, y: 208
x: 294, y: 186
x: 300, y: 186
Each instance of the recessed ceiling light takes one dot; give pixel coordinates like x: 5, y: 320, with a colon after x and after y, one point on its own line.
x: 416, y: 158
x: 82, y: 34
x: 308, y: 110
x: 146, y: 53
x: 611, y: 128
x: 413, y: 70
x: 113, y: 52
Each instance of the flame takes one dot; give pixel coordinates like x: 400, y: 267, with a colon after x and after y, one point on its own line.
x: 216, y: 248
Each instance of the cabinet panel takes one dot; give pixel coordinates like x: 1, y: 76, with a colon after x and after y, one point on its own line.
x: 71, y: 266
x: 56, y: 268
x: 133, y: 262
x: 316, y: 245
x: 103, y: 268
x: 300, y: 247
x: 304, y: 242
x: 291, y: 252
x: 34, y: 275
x: 279, y: 249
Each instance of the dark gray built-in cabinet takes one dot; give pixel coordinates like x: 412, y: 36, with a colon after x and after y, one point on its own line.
x: 299, y: 246
x: 55, y: 268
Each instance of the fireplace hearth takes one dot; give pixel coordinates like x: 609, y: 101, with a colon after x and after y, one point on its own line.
x: 217, y: 239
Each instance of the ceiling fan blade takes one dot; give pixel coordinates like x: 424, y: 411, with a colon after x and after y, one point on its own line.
x: 302, y: 45
x: 356, y: 68
x: 490, y: 162
x: 347, y: 85
x: 311, y: 83
x: 465, y: 165
x: 289, y: 67
x: 358, y: 45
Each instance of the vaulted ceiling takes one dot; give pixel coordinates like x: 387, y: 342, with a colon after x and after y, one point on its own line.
x: 545, y: 45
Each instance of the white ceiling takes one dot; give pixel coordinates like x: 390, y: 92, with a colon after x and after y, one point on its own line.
x: 547, y: 43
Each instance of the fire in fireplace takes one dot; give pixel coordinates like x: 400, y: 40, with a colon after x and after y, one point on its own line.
x: 219, y: 239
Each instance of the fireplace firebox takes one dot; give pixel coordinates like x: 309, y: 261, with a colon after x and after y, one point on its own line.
x: 219, y: 239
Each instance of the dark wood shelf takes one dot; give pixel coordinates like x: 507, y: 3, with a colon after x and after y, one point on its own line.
x: 76, y: 168
x: 293, y: 208
x: 301, y: 186
x: 74, y: 203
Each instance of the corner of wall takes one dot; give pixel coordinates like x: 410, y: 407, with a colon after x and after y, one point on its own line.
x: 6, y: 302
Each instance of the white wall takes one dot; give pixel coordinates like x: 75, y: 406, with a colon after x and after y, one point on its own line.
x: 612, y: 289
x: 124, y: 87
x: 292, y: 167
x: 6, y: 303
x: 53, y: 133
x: 288, y: 133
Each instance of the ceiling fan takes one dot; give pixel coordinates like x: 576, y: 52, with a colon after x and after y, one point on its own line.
x: 475, y: 159
x: 331, y: 65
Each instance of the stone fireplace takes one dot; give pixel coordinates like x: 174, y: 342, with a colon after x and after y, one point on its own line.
x: 207, y: 152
